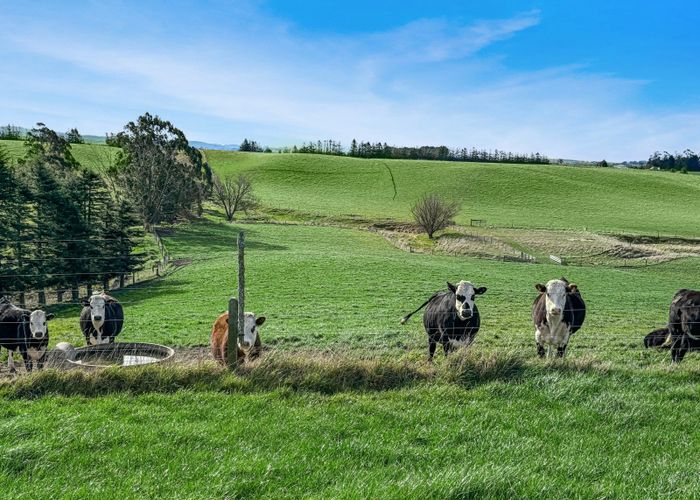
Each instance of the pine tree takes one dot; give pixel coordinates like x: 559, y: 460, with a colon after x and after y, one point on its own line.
x: 14, y: 227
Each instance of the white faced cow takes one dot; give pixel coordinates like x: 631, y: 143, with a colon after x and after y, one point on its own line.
x: 451, y: 317
x: 558, y: 312
x: 101, y: 319
x: 24, y: 331
x: 251, y: 346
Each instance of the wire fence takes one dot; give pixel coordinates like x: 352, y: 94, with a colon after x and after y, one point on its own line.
x: 130, y: 353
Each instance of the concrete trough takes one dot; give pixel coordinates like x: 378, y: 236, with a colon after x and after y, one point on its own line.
x: 109, y: 355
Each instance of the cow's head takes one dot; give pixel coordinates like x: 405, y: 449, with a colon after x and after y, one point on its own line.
x: 555, y: 293
x: 97, y: 305
x: 465, y: 293
x: 250, y: 329
x: 657, y: 338
x: 38, y: 328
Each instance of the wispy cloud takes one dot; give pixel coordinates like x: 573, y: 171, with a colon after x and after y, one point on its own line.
x: 427, y: 82
x: 436, y: 40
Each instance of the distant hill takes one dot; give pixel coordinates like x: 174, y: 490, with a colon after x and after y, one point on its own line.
x: 94, y: 139
x: 599, y: 199
x: 219, y: 147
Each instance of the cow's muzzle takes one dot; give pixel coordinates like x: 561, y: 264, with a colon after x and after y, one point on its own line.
x: 97, y: 318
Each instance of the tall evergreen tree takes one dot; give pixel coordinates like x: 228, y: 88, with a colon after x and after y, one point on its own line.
x: 14, y: 227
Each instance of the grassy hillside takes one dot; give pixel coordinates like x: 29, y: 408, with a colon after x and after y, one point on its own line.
x: 95, y: 155
x: 530, y: 196
x: 343, y: 403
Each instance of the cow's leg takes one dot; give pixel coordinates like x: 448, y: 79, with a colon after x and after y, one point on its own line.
x: 561, y: 350
x: 540, y: 350
x: 680, y: 347
x: 446, y: 346
x: 11, y: 361
x: 256, y: 349
x: 432, y: 345
x: 28, y: 365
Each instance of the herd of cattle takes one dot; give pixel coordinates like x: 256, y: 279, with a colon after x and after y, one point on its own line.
x: 451, y: 318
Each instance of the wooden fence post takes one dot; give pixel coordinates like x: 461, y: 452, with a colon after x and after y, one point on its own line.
x: 232, y: 345
x: 236, y: 308
x: 241, y: 285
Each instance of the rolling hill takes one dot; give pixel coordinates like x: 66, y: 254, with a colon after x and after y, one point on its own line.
x: 528, y: 196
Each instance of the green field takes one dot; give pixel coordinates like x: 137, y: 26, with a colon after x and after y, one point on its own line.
x: 343, y: 403
x: 529, y: 196
x: 94, y: 155
x: 526, y: 196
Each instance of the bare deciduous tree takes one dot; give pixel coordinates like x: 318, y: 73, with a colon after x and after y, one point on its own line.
x: 432, y: 213
x: 234, y: 194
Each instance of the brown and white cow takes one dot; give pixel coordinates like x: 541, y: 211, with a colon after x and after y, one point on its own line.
x: 558, y: 312
x: 251, y: 346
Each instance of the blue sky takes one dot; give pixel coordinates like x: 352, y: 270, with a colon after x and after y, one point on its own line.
x: 588, y: 80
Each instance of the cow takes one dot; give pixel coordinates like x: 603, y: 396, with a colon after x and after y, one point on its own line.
x: 684, y: 323
x: 658, y: 338
x: 557, y: 313
x: 101, y: 319
x: 24, y: 331
x: 251, y: 346
x: 451, y: 317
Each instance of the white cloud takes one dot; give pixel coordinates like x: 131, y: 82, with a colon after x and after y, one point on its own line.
x: 424, y: 83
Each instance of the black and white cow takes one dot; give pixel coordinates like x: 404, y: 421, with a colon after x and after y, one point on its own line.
x: 451, y: 317
x: 684, y: 323
x: 558, y: 312
x: 24, y: 331
x: 101, y: 319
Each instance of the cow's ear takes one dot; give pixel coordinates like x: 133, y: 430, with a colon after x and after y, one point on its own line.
x: 24, y: 318
x: 259, y: 321
x: 480, y: 291
x: 85, y: 302
x: 452, y: 288
x: 50, y: 316
x: 540, y: 288
x: 572, y: 288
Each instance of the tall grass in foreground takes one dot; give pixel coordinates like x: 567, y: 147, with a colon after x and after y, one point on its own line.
x: 324, y: 373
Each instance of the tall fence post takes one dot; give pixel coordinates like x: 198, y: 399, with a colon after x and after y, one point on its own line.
x: 236, y: 308
x: 232, y: 345
x: 241, y: 286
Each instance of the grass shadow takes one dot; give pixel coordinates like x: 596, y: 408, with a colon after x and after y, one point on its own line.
x: 207, y: 236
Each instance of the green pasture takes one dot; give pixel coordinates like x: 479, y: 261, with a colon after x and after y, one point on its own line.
x: 538, y: 432
x: 343, y: 403
x: 528, y: 196
x: 346, y: 290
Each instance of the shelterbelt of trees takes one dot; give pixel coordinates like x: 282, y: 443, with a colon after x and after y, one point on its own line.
x: 687, y: 161
x: 443, y: 153
x: 63, y: 224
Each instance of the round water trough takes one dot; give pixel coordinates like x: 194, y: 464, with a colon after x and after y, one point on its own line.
x: 119, y: 354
